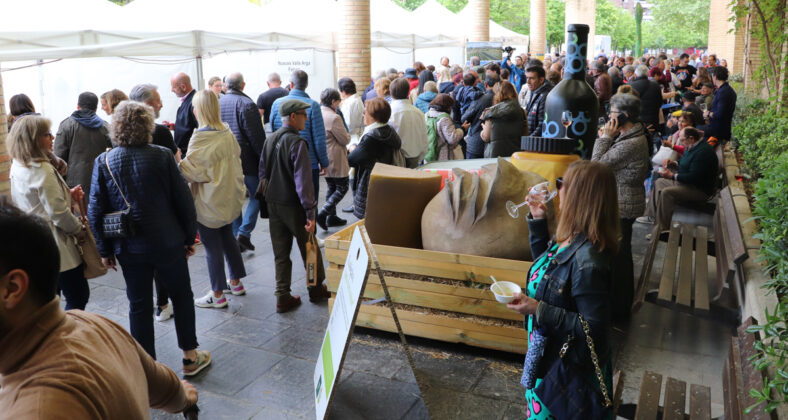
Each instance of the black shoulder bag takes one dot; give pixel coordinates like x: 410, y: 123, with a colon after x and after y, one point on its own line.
x: 118, y: 224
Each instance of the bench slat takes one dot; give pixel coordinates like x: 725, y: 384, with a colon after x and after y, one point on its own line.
x: 738, y: 251
x: 684, y: 289
x: 648, y: 401
x: 675, y: 397
x: 724, y: 273
x: 700, y: 402
x: 701, y: 270
x: 665, y: 294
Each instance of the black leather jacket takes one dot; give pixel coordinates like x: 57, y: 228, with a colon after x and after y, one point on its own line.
x: 577, y: 280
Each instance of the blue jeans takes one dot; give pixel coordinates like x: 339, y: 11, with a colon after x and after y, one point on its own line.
x: 171, y: 268
x: 74, y: 287
x: 245, y: 223
x: 220, y: 245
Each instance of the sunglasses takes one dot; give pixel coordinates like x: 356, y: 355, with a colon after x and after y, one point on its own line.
x: 559, y: 182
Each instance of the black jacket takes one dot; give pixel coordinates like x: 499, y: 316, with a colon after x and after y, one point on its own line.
x: 650, y: 99
x: 242, y: 116
x: 722, y: 107
x: 163, y: 137
x: 185, y: 123
x: 475, y: 145
x: 577, y: 281
x: 378, y: 145
x: 536, y: 109
x: 162, y: 206
x: 508, y: 126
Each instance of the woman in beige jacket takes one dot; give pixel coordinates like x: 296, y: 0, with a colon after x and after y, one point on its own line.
x: 37, y: 188
x: 337, y: 139
x: 213, y: 169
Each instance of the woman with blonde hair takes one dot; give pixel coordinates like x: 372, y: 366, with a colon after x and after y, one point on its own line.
x: 382, y: 88
x: 567, y: 294
x: 111, y: 99
x: 212, y: 167
x: 504, y: 122
x: 37, y: 188
x: 143, y: 180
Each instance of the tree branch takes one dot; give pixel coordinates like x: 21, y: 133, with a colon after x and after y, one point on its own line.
x: 767, y: 38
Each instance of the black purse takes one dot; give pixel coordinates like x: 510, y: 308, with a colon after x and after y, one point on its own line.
x: 118, y: 224
x: 570, y: 396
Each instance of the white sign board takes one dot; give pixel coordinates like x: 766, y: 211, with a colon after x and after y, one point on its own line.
x: 340, y: 323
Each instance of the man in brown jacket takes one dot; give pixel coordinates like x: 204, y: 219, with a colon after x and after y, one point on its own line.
x: 67, y: 365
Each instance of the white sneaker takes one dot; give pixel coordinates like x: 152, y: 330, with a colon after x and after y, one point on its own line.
x: 210, y: 301
x: 647, y: 220
x: 164, y: 314
x: 236, y: 290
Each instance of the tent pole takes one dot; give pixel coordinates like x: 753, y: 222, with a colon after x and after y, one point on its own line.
x: 200, y: 78
x: 413, y: 51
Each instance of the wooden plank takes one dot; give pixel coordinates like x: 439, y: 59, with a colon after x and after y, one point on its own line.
x: 701, y: 270
x: 751, y: 378
x: 424, y: 265
x: 735, y: 240
x: 700, y: 402
x: 446, y: 302
x: 645, y: 272
x: 684, y: 288
x: 675, y: 397
x: 648, y: 401
x: 665, y: 294
x: 724, y: 273
x: 618, y: 390
x: 440, y: 328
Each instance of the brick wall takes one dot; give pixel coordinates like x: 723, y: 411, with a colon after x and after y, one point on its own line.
x: 726, y: 44
x: 582, y: 11
x: 5, y: 160
x: 354, y: 53
x: 538, y: 27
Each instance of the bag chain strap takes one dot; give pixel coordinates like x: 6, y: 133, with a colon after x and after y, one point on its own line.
x: 595, y: 360
x: 106, y: 161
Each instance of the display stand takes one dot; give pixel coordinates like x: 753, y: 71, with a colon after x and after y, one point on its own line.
x: 343, y: 319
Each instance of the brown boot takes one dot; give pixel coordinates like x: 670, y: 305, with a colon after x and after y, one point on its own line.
x: 289, y: 304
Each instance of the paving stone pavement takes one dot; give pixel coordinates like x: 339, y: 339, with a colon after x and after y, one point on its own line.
x: 263, y: 362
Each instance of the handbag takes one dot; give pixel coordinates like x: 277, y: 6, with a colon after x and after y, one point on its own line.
x: 310, y: 262
x: 567, y: 394
x: 86, y: 243
x: 118, y: 224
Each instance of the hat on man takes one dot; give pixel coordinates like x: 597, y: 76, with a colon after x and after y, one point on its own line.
x: 410, y: 73
x: 292, y: 105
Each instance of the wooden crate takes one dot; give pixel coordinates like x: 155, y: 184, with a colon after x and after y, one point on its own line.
x: 472, y: 311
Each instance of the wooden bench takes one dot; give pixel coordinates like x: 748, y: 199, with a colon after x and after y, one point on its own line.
x: 674, y: 407
x: 683, y: 281
x: 739, y: 377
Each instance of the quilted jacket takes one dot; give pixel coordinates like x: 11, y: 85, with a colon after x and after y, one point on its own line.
x: 241, y: 114
x: 162, y: 208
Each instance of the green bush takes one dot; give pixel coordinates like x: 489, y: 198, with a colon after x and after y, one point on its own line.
x: 771, y: 210
x: 762, y: 135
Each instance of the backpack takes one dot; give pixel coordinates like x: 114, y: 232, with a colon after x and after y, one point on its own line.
x: 398, y: 158
x: 434, y: 141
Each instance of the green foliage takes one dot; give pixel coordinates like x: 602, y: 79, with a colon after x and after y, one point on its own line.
x: 763, y: 141
x: 767, y: 19
x: 638, y: 29
x: 762, y: 137
x: 556, y: 14
x: 680, y: 23
x: 616, y: 22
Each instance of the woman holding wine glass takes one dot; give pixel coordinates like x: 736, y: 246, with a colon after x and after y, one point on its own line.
x: 567, y: 294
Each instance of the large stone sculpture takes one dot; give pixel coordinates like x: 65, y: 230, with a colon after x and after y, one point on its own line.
x: 469, y: 215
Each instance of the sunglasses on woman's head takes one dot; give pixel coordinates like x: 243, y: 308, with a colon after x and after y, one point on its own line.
x: 559, y: 182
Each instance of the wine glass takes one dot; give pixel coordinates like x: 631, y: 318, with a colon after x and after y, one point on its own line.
x: 539, y: 193
x: 566, y: 120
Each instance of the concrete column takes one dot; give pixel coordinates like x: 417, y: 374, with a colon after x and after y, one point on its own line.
x: 5, y: 160
x: 538, y: 28
x: 480, y: 23
x: 354, y: 57
x: 727, y: 45
x: 582, y: 11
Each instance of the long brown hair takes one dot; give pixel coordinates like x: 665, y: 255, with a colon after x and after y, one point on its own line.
x: 504, y: 91
x: 590, y: 205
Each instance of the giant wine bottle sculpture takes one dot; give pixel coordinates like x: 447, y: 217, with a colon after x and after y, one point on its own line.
x: 573, y: 94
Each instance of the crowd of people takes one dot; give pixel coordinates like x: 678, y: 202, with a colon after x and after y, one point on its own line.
x: 170, y: 186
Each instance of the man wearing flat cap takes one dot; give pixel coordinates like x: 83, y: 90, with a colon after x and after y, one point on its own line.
x: 286, y: 172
